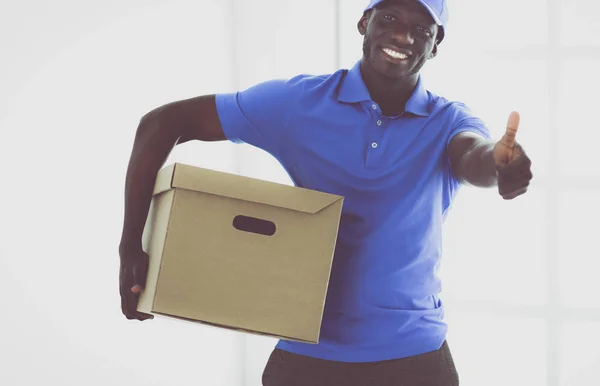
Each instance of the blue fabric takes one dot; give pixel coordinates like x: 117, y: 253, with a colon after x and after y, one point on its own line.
x: 383, y: 297
x: 438, y: 9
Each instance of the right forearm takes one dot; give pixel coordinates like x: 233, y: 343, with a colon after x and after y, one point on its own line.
x: 152, y: 146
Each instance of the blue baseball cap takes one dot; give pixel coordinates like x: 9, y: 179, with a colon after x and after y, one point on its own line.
x: 438, y: 9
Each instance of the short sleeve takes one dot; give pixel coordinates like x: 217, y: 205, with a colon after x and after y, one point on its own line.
x: 260, y: 115
x: 461, y: 120
x: 464, y: 120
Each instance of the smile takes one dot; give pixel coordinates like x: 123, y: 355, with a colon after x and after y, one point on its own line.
x: 394, y: 54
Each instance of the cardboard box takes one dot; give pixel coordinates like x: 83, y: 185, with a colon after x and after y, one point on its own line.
x: 239, y: 253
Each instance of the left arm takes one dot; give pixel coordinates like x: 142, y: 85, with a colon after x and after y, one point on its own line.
x: 480, y: 162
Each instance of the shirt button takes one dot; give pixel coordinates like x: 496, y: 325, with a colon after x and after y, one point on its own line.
x: 379, y: 122
x: 374, y: 145
x: 374, y: 107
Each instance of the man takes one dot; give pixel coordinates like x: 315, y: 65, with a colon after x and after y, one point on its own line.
x: 396, y: 152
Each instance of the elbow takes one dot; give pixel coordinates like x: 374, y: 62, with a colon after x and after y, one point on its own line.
x: 155, y: 126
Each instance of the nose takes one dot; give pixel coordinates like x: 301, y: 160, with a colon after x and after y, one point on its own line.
x: 403, y: 36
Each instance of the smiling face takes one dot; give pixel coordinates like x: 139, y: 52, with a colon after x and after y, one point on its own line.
x: 399, y: 37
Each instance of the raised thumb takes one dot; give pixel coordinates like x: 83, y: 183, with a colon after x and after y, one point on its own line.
x: 512, y: 127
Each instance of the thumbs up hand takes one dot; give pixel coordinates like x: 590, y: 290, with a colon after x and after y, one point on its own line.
x: 513, y: 166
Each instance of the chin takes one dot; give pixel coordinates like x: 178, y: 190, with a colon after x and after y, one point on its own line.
x: 392, y: 71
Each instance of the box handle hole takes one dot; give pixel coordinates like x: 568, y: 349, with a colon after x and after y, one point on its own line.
x: 254, y: 225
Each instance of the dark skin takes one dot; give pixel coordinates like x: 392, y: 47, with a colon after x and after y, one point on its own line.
x: 157, y: 134
x: 401, y: 25
x: 405, y: 27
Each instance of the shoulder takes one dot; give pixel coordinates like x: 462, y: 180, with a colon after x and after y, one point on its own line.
x: 296, y: 85
x: 452, y: 110
x: 311, y: 88
x: 325, y: 81
x: 285, y: 95
x: 455, y: 114
x: 282, y: 93
x: 454, y: 117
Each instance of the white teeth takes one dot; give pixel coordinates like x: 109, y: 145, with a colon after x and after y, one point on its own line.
x: 394, y: 54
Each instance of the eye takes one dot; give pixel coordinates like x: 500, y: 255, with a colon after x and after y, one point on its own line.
x: 425, y: 31
x: 389, y: 17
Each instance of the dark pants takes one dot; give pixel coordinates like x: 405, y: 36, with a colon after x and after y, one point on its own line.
x: 434, y: 368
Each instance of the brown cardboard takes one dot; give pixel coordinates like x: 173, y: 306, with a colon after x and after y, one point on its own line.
x: 203, y: 269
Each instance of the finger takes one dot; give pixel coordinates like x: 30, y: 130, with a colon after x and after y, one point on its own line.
x: 132, y: 299
x: 136, y: 289
x: 140, y: 273
x: 518, y: 158
x: 131, y: 302
x: 143, y: 317
x: 507, y: 189
x: 514, y: 194
x: 512, y: 127
x: 518, y: 151
x: 124, y: 309
x: 516, y: 167
x: 121, y: 278
x: 516, y: 175
x: 526, y: 175
x: 127, y: 297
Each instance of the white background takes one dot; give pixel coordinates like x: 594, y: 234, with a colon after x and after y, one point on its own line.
x: 521, y: 277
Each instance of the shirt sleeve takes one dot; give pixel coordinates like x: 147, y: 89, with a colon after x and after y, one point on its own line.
x: 259, y: 115
x: 464, y: 120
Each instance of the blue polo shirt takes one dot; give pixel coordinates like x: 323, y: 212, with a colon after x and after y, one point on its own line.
x: 394, y: 172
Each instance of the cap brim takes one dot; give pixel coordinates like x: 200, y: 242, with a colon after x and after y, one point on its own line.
x: 436, y: 19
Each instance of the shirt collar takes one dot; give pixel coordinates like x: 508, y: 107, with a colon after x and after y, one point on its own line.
x: 354, y: 90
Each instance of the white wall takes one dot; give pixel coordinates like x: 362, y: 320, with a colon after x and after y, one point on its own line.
x: 76, y: 76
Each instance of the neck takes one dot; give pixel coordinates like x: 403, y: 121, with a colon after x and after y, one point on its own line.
x: 391, y: 94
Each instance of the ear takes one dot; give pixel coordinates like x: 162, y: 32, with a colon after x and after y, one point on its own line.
x: 434, y: 51
x: 363, y: 23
